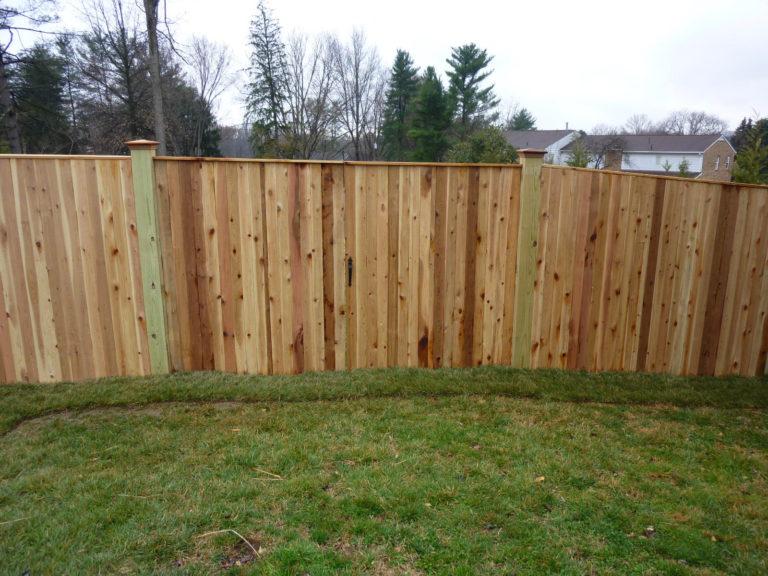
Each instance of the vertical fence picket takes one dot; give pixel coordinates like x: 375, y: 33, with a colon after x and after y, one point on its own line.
x: 111, y: 266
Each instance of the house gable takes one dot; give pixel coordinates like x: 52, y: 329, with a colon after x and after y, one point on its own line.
x: 722, y: 139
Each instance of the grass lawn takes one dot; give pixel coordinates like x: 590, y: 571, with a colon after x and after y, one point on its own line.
x: 484, y: 471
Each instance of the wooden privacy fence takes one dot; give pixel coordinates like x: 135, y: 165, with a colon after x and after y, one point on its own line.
x: 111, y: 265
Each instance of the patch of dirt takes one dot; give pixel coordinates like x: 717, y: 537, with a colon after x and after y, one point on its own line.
x: 240, y: 557
x: 234, y: 555
x: 670, y: 477
x: 680, y: 517
x: 345, y: 547
x: 382, y: 565
x: 240, y: 554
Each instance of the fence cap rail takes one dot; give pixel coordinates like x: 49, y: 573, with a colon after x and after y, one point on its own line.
x: 525, y: 152
x: 335, y: 162
x: 724, y: 183
x: 64, y: 157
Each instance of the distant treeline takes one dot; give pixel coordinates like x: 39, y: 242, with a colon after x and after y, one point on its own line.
x: 126, y: 76
x: 90, y: 91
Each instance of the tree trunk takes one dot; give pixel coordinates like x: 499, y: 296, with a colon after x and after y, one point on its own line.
x: 10, y: 118
x: 150, y: 10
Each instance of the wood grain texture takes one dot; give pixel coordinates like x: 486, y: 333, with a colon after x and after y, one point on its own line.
x: 142, y: 182
x: 649, y: 274
x: 529, y: 262
x: 541, y: 266
x: 70, y: 276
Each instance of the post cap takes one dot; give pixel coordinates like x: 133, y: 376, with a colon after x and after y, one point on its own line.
x: 142, y: 144
x: 532, y: 153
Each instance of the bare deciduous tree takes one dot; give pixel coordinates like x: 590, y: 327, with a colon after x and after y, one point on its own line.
x: 508, y: 113
x: 311, y: 80
x: 692, y: 122
x: 210, y: 72
x: 113, y: 72
x: 210, y: 68
x: 605, y: 129
x: 604, y: 141
x: 639, y: 124
x: 681, y: 122
x: 360, y: 95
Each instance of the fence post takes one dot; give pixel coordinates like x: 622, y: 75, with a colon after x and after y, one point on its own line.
x: 527, y: 248
x: 150, y: 258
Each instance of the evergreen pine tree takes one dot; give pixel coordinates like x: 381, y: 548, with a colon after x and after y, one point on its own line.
x: 472, y: 105
x: 751, y: 164
x: 762, y: 129
x: 67, y: 53
x: 38, y: 87
x: 741, y: 134
x: 522, y: 120
x: 267, y: 98
x: 580, y: 155
x: 431, y: 120
x: 744, y: 134
x: 403, y: 86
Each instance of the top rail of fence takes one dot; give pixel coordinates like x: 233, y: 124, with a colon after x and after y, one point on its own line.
x: 338, y: 162
x: 67, y: 156
x: 662, y: 176
x: 377, y: 163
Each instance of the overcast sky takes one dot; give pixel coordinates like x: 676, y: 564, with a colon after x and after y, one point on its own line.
x: 584, y: 62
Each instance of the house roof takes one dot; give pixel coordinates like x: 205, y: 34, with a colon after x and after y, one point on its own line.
x: 655, y: 142
x: 539, y: 139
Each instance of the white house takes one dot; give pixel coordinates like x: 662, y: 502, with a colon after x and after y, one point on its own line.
x: 708, y: 156
x: 553, y: 141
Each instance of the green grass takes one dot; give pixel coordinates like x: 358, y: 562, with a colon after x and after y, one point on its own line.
x: 484, y: 471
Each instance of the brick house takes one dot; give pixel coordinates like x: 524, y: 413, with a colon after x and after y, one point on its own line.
x: 709, y: 156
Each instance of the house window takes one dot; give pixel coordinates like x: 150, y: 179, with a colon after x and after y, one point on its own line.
x: 717, y: 164
x: 727, y: 162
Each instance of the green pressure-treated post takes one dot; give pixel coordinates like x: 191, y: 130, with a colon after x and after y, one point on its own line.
x: 527, y: 249
x: 150, y: 258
